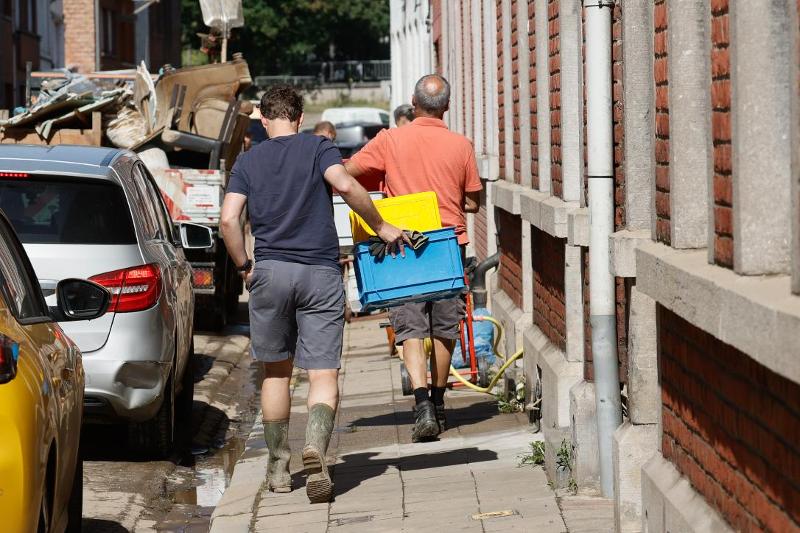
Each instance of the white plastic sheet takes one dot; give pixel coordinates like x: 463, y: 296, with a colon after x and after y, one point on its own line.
x: 222, y: 14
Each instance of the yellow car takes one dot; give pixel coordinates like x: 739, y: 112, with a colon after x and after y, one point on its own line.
x: 41, y: 395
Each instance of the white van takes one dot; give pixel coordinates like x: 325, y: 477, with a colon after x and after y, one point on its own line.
x: 357, y: 115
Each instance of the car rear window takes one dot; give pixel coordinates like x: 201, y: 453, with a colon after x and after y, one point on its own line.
x: 53, y: 210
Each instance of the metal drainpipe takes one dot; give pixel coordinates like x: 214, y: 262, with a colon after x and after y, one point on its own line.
x: 478, y: 282
x: 600, y: 148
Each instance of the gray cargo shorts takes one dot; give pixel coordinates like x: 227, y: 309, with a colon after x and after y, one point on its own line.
x: 297, y: 311
x: 440, y: 318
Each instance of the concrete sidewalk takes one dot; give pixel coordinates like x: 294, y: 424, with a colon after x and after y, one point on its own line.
x: 469, y: 480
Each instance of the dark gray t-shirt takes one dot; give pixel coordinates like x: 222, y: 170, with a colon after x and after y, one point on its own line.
x: 288, y: 199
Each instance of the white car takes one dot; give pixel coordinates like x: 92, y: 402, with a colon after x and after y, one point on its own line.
x: 96, y: 213
x: 356, y: 115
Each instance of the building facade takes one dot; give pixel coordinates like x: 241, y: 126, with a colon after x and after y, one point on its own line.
x: 85, y: 35
x: 704, y: 250
x: 30, y: 31
x: 119, y: 34
x: 410, y: 41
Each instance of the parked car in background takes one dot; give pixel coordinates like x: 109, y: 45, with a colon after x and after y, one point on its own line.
x: 351, y: 137
x: 356, y: 115
x: 41, y: 394
x: 96, y: 213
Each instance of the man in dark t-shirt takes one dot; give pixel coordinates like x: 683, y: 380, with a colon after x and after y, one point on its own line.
x: 296, y: 290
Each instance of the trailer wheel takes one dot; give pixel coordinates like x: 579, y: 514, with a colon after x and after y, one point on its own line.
x: 405, y: 381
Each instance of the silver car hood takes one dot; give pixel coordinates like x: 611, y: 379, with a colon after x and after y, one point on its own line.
x: 54, y: 262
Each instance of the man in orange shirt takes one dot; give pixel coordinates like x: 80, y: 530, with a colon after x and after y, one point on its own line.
x: 425, y: 156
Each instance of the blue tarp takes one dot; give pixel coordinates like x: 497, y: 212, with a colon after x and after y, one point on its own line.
x: 484, y: 338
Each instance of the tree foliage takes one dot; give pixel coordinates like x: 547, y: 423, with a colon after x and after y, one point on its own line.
x: 281, y: 36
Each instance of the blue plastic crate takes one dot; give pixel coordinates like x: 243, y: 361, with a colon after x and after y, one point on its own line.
x: 433, y: 272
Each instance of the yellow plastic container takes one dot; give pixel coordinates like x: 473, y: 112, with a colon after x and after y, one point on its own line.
x: 419, y: 212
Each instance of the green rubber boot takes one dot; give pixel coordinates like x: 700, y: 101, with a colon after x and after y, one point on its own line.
x: 276, y: 435
x: 319, y: 487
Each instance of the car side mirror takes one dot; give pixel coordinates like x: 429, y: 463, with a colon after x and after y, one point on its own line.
x: 79, y: 299
x: 196, y: 236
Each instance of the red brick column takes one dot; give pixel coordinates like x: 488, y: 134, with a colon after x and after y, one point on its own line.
x: 436, y: 34
x: 501, y: 108
x: 731, y: 426
x: 660, y: 72
x: 515, y: 70
x: 465, y: 66
x: 554, y: 54
x: 533, y: 92
x: 721, y: 132
x: 80, y: 48
x: 621, y: 295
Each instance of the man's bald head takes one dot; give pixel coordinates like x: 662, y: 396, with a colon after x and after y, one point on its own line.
x: 431, y: 96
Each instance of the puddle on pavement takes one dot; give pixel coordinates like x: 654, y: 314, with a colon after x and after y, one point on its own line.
x: 196, y: 490
x: 212, y: 475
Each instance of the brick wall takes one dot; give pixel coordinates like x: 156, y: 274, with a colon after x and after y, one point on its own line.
x: 79, y: 35
x: 588, y: 369
x: 618, y: 108
x: 731, y: 426
x: 465, y: 66
x: 515, y: 72
x: 501, y: 108
x: 554, y: 54
x: 622, y: 291
x: 436, y: 20
x: 662, y: 122
x: 584, y: 114
x: 549, y: 310
x: 436, y: 35
x: 484, y: 74
x: 533, y: 92
x: 510, y: 234
x: 721, y: 132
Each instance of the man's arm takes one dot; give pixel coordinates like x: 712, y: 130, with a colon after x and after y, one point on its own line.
x: 472, y: 201
x: 359, y: 201
x: 231, y: 227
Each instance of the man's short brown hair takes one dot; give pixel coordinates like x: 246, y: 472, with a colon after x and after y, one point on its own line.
x: 282, y: 101
x: 324, y: 127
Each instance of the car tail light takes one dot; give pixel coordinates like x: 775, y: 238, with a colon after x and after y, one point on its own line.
x: 13, y: 174
x: 132, y: 289
x: 9, y: 354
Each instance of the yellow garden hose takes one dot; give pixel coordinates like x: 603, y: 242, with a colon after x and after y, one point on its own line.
x: 500, y: 332
x: 508, y: 360
x: 494, y: 380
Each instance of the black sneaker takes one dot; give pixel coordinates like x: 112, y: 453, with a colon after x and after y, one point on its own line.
x: 441, y: 418
x: 425, y: 427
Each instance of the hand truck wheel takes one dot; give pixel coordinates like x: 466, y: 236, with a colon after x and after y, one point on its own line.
x: 405, y: 381
x: 483, y: 372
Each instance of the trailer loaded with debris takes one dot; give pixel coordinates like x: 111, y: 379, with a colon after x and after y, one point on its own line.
x: 186, y: 124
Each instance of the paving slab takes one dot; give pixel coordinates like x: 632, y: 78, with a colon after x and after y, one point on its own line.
x: 469, y: 479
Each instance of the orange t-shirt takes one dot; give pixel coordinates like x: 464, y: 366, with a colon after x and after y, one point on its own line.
x: 425, y: 156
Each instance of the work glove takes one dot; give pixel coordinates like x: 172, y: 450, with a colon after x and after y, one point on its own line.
x: 378, y: 248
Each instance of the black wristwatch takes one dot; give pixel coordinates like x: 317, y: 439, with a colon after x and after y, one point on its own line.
x: 246, y: 267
